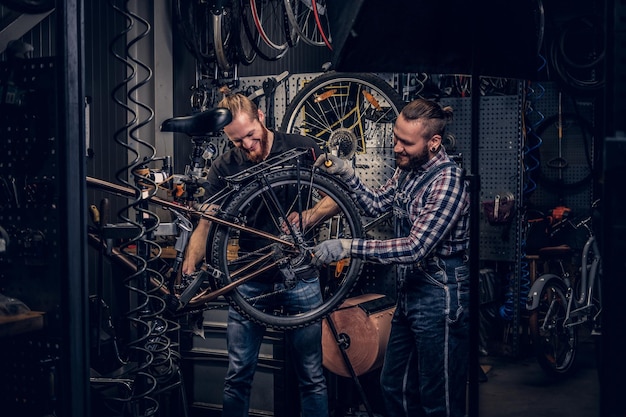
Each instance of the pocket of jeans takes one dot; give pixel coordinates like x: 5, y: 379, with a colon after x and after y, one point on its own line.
x: 310, y: 280
x: 434, y: 271
x: 459, y: 296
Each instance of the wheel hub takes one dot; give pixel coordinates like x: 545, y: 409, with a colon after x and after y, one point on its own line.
x: 344, y: 142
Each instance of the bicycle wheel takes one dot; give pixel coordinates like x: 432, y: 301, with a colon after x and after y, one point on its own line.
x: 321, y: 18
x: 303, y: 23
x: 352, y: 113
x: 254, y: 16
x: 554, y: 344
x: 247, y: 45
x: 225, y: 33
x: 556, y: 172
x: 194, y: 23
x: 276, y: 266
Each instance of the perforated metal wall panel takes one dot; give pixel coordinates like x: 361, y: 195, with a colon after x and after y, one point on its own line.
x: 500, y: 169
x: 500, y: 142
x: 566, y: 158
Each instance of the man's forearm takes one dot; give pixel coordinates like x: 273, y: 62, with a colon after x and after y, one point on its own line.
x: 196, y: 248
x: 322, y: 211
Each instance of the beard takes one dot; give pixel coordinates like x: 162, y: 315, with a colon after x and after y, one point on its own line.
x: 412, y: 162
x: 262, y: 151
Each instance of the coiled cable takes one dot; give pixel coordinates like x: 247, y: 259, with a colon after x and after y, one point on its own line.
x: 150, y: 350
x: 532, y: 118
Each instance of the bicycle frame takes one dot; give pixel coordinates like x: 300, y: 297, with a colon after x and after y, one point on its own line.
x: 234, y: 183
x: 579, y: 307
x: 281, y: 249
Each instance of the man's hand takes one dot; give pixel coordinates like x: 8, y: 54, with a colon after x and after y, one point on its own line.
x: 335, y: 166
x: 330, y: 251
x: 295, y: 219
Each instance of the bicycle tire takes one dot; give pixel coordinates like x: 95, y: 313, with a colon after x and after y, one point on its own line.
x: 194, y: 24
x: 269, y: 21
x: 291, y: 29
x: 336, y: 283
x: 253, y: 36
x: 582, y: 74
x: 246, y: 46
x: 302, y: 23
x: 225, y: 42
x: 321, y: 19
x: 325, y: 109
x: 554, y: 345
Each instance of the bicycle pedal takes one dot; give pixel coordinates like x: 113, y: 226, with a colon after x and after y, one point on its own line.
x: 190, y: 291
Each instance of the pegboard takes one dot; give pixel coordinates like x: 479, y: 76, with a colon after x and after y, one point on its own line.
x: 499, y: 145
x: 32, y: 230
x: 282, y: 95
x: 568, y: 182
x: 500, y: 169
x: 30, y: 208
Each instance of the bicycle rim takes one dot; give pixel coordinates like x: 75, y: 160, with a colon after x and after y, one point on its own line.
x: 268, y: 19
x: 238, y: 254
x: 302, y: 21
x: 224, y: 35
x: 554, y: 345
x: 246, y: 45
x: 253, y: 35
x: 321, y: 19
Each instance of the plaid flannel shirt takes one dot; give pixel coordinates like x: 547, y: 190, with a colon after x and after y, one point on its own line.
x: 438, y: 211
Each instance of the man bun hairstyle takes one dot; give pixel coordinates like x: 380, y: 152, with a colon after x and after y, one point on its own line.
x: 237, y: 102
x: 432, y: 114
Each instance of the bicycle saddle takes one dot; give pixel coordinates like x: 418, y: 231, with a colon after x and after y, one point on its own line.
x: 204, y: 123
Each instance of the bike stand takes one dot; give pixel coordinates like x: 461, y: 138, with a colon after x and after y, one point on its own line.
x: 343, y: 344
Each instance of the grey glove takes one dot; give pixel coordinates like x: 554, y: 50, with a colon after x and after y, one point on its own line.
x: 335, y: 166
x: 330, y: 251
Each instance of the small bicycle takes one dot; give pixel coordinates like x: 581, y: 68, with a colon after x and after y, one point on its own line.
x: 560, y: 304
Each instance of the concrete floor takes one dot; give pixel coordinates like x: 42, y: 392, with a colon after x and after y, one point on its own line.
x: 519, y: 387
x: 515, y: 387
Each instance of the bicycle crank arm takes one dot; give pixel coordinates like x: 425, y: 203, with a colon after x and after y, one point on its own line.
x: 190, y: 291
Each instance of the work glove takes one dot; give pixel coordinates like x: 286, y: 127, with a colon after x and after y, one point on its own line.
x: 335, y: 166
x: 330, y: 251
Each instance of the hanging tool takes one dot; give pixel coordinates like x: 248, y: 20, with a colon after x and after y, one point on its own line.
x: 559, y: 162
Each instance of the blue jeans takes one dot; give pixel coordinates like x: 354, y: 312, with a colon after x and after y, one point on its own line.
x: 425, y: 367
x: 244, y: 339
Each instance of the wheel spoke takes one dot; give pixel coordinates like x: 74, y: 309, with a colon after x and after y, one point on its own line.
x: 354, y: 113
x: 268, y: 19
x: 302, y: 20
x: 277, y: 267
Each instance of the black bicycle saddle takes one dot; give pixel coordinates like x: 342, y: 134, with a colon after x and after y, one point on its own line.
x: 204, y: 123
